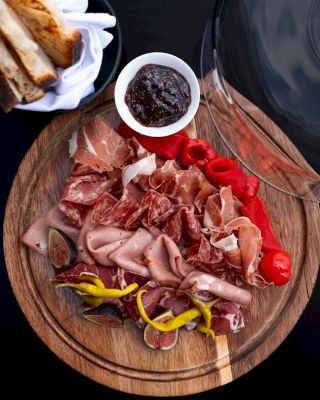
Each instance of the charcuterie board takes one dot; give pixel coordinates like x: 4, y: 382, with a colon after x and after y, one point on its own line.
x: 119, y: 358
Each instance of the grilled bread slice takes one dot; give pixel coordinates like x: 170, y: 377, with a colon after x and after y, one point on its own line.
x: 9, y: 94
x: 13, y: 71
x: 33, y: 58
x: 60, y: 41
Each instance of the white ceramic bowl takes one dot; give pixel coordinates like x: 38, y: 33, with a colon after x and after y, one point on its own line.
x: 129, y: 72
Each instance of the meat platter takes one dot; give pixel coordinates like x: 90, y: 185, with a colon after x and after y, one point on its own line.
x: 100, y: 352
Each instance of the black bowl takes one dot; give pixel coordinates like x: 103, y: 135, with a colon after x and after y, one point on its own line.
x: 111, y: 54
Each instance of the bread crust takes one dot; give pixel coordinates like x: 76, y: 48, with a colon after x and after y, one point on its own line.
x: 61, y: 42
x: 9, y: 95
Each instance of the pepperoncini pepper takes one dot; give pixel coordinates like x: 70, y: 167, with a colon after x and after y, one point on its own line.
x: 203, y: 329
x: 204, y: 307
x: 170, y: 325
x: 100, y: 292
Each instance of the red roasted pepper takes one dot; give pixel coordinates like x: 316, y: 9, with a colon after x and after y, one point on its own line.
x: 223, y: 171
x: 276, y: 267
x: 251, y: 189
x: 257, y: 213
x: 168, y: 147
x: 196, y: 151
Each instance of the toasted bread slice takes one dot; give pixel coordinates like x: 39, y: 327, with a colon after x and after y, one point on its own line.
x: 9, y: 94
x: 12, y: 70
x: 60, y: 41
x: 33, y: 58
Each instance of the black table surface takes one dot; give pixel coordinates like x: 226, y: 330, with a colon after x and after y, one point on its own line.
x: 173, y: 26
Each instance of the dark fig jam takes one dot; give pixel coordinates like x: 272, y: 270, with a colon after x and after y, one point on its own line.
x: 158, y: 95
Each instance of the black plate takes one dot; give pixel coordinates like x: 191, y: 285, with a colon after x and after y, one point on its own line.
x: 111, y: 54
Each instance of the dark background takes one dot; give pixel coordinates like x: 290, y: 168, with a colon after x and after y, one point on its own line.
x: 173, y: 26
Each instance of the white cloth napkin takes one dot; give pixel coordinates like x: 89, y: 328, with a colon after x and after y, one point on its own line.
x: 76, y: 82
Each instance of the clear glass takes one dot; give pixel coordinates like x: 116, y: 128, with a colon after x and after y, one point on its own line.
x: 269, y: 51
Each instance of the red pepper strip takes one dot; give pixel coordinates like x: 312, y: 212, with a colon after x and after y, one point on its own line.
x: 251, y: 189
x: 223, y: 171
x: 257, y: 213
x: 198, y: 152
x: 168, y: 147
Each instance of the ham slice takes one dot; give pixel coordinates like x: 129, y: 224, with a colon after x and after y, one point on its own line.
x: 36, y: 236
x: 166, y: 264
x: 197, y: 281
x: 83, y: 252
x: 144, y: 167
x: 99, y: 146
x: 129, y: 255
x: 103, y: 240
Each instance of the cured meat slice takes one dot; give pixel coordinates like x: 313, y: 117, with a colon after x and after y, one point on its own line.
x: 150, y: 301
x: 99, y: 146
x: 74, y: 212
x: 108, y: 275
x: 230, y: 247
x: 177, y: 303
x: 80, y: 169
x: 126, y: 278
x: 164, y: 173
x: 226, y: 317
x: 250, y: 242
x: 219, y: 209
x: 154, y: 206
x: 36, y: 236
x: 100, y: 210
x: 183, y: 224
x: 212, y: 217
x: 74, y: 274
x: 227, y: 205
x: 144, y: 167
x: 202, y: 253
x: 83, y: 252
x: 84, y: 189
x: 184, y: 186
x: 103, y: 240
x: 109, y: 211
x: 197, y: 281
x: 129, y: 255
x: 165, y: 262
x: 206, y: 190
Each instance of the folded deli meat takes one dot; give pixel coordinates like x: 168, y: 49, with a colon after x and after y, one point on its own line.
x: 142, y: 222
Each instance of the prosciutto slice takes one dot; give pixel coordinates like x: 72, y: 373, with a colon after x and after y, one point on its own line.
x: 166, y: 265
x: 36, y: 236
x: 197, y: 281
x: 103, y: 240
x: 161, y: 175
x: 230, y: 247
x: 219, y: 209
x: 184, y: 186
x: 129, y: 255
x: 99, y: 146
x: 144, y: 167
x: 226, y: 317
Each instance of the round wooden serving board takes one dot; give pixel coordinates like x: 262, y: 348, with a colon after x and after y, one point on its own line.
x: 119, y: 358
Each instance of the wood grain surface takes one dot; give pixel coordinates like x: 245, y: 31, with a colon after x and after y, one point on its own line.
x: 119, y: 358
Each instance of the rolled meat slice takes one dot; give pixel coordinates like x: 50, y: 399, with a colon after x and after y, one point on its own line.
x: 104, y: 240
x: 128, y: 256
x: 197, y: 281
